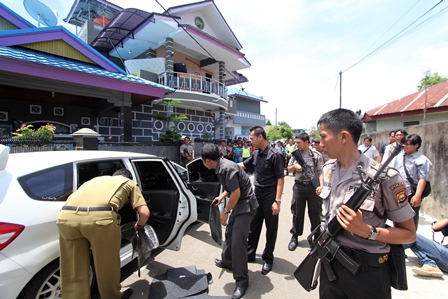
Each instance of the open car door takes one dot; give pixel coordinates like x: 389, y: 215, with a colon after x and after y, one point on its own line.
x: 205, y: 186
x: 172, y: 206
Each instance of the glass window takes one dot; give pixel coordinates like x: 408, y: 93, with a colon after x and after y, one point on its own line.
x: 89, y: 170
x: 52, y: 184
x: 154, y: 176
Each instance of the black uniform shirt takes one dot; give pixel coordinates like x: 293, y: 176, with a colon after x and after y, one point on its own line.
x: 268, y: 166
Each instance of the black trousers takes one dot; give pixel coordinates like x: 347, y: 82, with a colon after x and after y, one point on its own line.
x: 300, y: 197
x: 368, y: 283
x: 234, y: 251
x: 264, y: 212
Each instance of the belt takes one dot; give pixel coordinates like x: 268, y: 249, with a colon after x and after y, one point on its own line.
x: 264, y: 189
x: 87, y: 209
x: 365, y: 258
x: 304, y: 183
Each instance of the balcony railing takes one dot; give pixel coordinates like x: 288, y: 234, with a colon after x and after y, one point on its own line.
x: 191, y: 82
x: 249, y: 118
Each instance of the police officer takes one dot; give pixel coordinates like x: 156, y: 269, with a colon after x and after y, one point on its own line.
x: 241, y: 208
x: 268, y: 166
x: 186, y: 151
x: 90, y: 222
x: 413, y: 166
x: 364, y: 236
x: 303, y: 191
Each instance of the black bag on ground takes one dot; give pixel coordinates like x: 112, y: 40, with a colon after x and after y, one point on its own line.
x: 397, y: 267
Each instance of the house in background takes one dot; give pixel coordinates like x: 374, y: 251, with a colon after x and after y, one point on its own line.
x: 245, y: 115
x: 426, y: 106
x: 190, y: 48
x: 48, y: 75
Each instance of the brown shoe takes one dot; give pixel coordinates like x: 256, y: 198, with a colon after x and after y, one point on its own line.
x: 427, y: 270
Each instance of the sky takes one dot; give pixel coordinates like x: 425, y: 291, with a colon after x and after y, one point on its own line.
x: 297, y: 48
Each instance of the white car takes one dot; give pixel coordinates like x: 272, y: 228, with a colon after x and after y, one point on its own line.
x: 34, y: 187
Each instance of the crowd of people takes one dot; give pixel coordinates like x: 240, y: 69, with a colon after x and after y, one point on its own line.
x: 327, y: 172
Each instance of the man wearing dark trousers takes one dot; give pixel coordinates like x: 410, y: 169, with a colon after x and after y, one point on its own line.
x: 268, y: 167
x: 241, y: 207
x: 303, y: 190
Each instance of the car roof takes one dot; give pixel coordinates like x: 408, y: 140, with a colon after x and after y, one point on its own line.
x: 40, y: 160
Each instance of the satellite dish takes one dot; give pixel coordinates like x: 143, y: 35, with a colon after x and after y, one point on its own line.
x: 40, y: 12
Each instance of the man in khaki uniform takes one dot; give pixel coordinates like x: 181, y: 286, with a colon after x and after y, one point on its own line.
x: 90, y: 221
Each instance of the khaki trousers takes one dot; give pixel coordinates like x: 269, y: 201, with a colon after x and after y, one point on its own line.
x: 80, y: 232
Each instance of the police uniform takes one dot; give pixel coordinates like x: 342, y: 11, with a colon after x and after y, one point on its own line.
x: 234, y: 251
x: 418, y: 167
x: 90, y: 222
x: 372, y: 279
x: 268, y: 167
x: 303, y: 193
x: 184, y: 148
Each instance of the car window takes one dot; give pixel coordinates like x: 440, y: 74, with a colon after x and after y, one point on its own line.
x: 200, y: 173
x: 89, y: 170
x: 52, y: 184
x: 154, y: 176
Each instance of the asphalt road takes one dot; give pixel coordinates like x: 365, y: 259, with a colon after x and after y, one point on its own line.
x: 198, y: 249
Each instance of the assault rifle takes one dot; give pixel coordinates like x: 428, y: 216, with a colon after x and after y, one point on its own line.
x: 307, y: 172
x: 323, y: 246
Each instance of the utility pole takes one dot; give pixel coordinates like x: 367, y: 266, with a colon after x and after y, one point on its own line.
x: 340, y: 90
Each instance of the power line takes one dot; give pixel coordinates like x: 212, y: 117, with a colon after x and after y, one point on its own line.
x: 392, y: 38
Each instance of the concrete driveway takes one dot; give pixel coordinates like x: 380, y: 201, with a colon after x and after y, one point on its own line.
x: 199, y: 249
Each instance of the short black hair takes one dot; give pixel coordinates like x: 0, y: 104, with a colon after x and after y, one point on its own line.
x: 210, y: 151
x: 342, y: 119
x: 259, y: 131
x: 124, y: 172
x: 186, y: 137
x: 390, y: 133
x: 303, y: 136
x: 413, y: 139
x: 368, y: 138
x: 405, y: 133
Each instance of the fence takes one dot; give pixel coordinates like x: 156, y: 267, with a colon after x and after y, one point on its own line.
x: 27, y: 146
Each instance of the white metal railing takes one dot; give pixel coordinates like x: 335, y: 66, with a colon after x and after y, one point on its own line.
x: 193, y: 82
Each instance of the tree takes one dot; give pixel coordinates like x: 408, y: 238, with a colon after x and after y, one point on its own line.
x: 430, y: 80
x: 282, y: 131
x: 171, y: 134
x: 315, y: 132
x: 268, y: 123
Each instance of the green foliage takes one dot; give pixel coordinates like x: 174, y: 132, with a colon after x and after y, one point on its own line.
x: 430, y: 80
x: 171, y: 135
x: 282, y: 131
x: 207, y: 136
x: 268, y: 123
x: 44, y: 133
x: 315, y: 132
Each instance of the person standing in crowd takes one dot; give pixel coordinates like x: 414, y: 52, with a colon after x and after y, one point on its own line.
x: 320, y: 149
x: 399, y: 135
x: 368, y: 149
x: 89, y: 224
x: 238, y: 153
x: 241, y: 208
x: 186, y: 151
x: 383, y: 146
x: 223, y: 149
x: 290, y: 147
x: 268, y: 167
x: 246, y: 151
x: 303, y: 190
x: 414, y: 168
x: 363, y: 236
x: 230, y: 149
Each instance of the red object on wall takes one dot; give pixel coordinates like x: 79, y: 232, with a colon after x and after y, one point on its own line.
x: 103, y: 21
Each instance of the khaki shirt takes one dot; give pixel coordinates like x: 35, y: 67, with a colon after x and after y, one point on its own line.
x: 114, y: 191
x: 308, y: 157
x: 337, y: 191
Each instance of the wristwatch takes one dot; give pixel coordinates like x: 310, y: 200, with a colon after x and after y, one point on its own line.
x: 373, y: 234
x: 225, y: 211
x: 278, y: 202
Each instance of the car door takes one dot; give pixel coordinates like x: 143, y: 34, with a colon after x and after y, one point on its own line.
x: 172, y: 206
x: 205, y: 186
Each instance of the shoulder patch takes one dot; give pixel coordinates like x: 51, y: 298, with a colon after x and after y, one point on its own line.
x: 401, y: 195
x: 396, y: 185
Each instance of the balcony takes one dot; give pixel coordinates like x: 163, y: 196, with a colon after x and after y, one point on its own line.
x: 191, y: 82
x: 248, y: 118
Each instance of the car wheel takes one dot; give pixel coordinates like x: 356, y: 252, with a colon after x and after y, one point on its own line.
x: 46, y: 284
